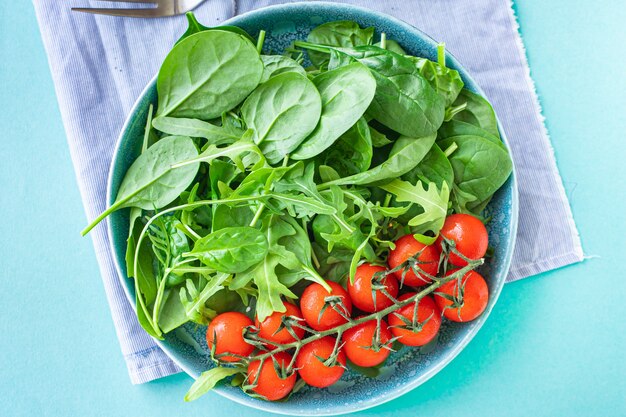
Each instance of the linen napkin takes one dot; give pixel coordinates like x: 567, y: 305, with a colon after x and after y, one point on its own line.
x: 100, y: 64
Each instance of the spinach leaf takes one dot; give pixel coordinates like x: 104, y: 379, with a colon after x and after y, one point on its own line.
x: 404, y: 101
x: 346, y: 93
x: 151, y: 182
x: 446, y: 81
x: 231, y: 250
x: 195, y: 27
x: 282, y: 111
x: 278, y: 64
x: 338, y: 33
x: 405, y: 154
x: 480, y: 169
x: 215, y: 135
x: 455, y: 128
x: 478, y: 112
x: 352, y: 153
x: 226, y: 216
x: 207, y: 74
x: 435, y: 167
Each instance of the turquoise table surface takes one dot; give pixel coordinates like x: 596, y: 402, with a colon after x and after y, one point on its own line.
x: 555, y: 344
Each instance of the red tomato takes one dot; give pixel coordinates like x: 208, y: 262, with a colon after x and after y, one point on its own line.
x: 228, y: 329
x: 475, y: 297
x: 312, y: 369
x: 269, y: 384
x: 469, y: 235
x: 426, y: 310
x: 312, y: 302
x: 361, y: 289
x: 407, y: 247
x: 268, y: 328
x: 358, y: 343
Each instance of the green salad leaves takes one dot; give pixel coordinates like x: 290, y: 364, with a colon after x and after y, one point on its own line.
x: 259, y: 171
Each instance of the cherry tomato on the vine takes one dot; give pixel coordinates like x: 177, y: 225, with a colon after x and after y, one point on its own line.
x: 361, y: 289
x: 226, y: 331
x: 359, y: 343
x: 428, y: 316
x: 428, y: 259
x: 313, y: 300
x: 469, y: 235
x: 473, y: 301
x: 313, y: 370
x: 269, y: 384
x: 268, y: 327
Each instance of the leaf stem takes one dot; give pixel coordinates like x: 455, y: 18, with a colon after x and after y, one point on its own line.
x: 383, y: 40
x: 260, y: 41
x: 441, y: 54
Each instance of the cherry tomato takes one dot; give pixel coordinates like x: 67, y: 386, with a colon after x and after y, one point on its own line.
x: 358, y: 343
x: 313, y: 370
x: 270, y: 384
x: 407, y: 247
x: 475, y: 297
x: 228, y: 329
x: 426, y: 310
x: 312, y: 302
x: 469, y: 235
x: 268, y: 328
x: 361, y: 289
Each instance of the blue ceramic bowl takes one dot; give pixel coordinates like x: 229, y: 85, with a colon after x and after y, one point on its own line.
x: 405, y: 369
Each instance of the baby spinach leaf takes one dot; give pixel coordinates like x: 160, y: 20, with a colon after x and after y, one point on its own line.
x: 231, y: 250
x: 446, y: 81
x: 173, y: 312
x: 480, y: 168
x: 338, y: 33
x: 151, y: 182
x: 478, y: 112
x: 405, y: 154
x: 278, y: 64
x: 435, y: 167
x: 206, y: 74
x: 346, y: 93
x: 433, y: 201
x: 195, y: 27
x: 352, y: 153
x: 282, y: 111
x: 404, y: 101
x: 215, y: 135
x: 455, y: 128
x: 226, y: 216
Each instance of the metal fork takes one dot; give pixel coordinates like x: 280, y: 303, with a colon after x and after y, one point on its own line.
x: 163, y: 8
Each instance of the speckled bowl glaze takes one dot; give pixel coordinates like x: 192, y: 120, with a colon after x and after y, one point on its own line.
x: 405, y: 369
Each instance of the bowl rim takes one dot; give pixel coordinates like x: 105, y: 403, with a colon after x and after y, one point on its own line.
x: 459, y: 346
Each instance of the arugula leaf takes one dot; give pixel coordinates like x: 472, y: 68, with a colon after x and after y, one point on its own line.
x: 264, y: 274
x: 433, y: 201
x: 208, y: 380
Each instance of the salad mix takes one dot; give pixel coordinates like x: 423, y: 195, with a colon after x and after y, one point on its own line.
x: 316, y: 209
